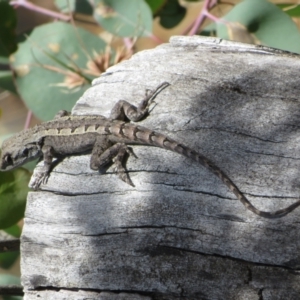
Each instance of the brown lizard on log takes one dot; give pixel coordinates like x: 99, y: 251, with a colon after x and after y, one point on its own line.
x: 107, y: 139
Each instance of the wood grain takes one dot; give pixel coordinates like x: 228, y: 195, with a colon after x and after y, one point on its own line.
x: 180, y: 233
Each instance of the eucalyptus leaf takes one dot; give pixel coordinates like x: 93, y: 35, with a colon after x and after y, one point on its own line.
x: 171, y: 14
x: 12, y: 298
x: 55, y: 65
x: 77, y: 6
x: 6, y: 279
x: 155, y: 5
x: 14, y: 230
x: 7, y: 259
x: 4, y: 60
x: 13, y: 193
x: 291, y: 9
x: 260, y: 22
x: 6, y: 81
x: 130, y: 18
x: 8, y: 23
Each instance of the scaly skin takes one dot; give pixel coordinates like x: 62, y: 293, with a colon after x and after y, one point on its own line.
x: 107, y: 138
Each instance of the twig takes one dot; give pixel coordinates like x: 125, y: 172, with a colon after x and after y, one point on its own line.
x: 11, y: 290
x: 208, y: 4
x: 28, y: 119
x: 36, y: 8
x: 10, y: 245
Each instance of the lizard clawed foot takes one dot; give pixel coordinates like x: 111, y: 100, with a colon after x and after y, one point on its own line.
x: 122, y: 174
x: 118, y: 162
x: 40, y: 178
x: 124, y: 110
x: 115, y: 153
x: 150, y: 96
x: 130, y: 152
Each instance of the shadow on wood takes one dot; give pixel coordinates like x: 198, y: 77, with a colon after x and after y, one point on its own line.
x: 180, y: 233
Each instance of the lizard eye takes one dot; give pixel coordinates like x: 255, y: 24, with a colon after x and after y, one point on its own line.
x: 7, y: 158
x: 25, y: 152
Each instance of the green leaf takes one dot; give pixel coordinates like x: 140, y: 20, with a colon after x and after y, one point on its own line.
x: 291, y: 9
x: 171, y: 14
x: 128, y: 18
x: 8, y: 22
x: 7, y: 259
x: 13, y: 193
x: 12, y: 297
x: 30, y: 166
x: 155, y: 5
x: 6, y: 279
x: 209, y: 30
x: 4, y: 136
x: 4, y: 60
x: 14, y: 231
x: 261, y: 22
x: 6, y: 81
x: 55, y: 65
x: 77, y: 6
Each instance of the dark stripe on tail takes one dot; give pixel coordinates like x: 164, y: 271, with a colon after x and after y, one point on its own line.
x: 182, y: 149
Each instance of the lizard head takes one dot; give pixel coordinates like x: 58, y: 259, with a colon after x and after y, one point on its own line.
x: 14, y: 154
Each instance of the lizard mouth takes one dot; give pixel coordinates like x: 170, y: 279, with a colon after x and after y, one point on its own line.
x: 7, y: 163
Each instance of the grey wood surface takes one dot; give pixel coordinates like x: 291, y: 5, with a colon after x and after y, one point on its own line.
x: 179, y: 233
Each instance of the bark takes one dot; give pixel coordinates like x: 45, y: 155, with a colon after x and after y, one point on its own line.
x: 179, y: 233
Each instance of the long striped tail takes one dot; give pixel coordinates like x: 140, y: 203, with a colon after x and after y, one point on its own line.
x: 162, y: 141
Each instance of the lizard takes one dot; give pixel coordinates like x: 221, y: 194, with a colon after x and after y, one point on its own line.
x: 108, y: 140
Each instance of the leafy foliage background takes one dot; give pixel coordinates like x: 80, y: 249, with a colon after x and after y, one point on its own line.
x: 47, y: 65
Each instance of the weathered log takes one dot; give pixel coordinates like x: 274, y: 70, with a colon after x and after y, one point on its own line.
x: 179, y: 233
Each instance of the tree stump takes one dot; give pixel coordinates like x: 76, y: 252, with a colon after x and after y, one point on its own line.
x: 180, y: 233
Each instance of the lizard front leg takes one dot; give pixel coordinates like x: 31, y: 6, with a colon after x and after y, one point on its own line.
x: 42, y: 176
x: 105, y: 152
x: 62, y: 113
x: 124, y: 109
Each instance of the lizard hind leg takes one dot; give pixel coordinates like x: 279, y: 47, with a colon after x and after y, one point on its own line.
x: 113, y: 153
